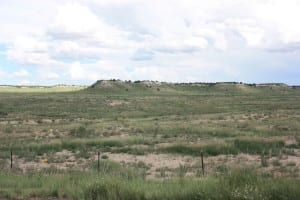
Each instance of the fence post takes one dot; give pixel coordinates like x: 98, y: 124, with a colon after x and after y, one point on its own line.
x: 98, y: 164
x: 11, y: 159
x: 202, y: 164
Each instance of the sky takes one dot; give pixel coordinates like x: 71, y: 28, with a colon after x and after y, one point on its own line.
x: 78, y: 42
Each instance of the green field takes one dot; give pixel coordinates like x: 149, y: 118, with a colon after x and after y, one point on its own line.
x: 150, y: 136
x: 39, y: 89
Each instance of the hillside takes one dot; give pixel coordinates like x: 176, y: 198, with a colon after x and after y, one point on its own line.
x: 155, y: 87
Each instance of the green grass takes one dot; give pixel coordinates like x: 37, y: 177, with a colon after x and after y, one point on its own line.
x: 250, y: 146
x: 72, y: 145
x: 241, y: 184
x: 259, y: 146
x: 211, y: 150
x: 39, y: 89
x: 140, y: 118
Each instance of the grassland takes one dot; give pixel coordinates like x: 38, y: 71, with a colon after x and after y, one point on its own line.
x: 40, y: 89
x: 150, y: 136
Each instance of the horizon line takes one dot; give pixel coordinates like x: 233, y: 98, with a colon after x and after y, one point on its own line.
x: 138, y: 81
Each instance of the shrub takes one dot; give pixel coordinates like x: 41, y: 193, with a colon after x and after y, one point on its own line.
x: 82, y: 132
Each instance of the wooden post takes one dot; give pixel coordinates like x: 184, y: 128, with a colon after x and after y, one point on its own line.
x: 98, y: 164
x: 202, y: 164
x: 11, y: 159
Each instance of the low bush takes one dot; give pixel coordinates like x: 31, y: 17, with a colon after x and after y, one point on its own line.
x: 82, y: 132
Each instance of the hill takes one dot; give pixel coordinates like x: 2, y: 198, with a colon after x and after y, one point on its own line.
x: 155, y: 87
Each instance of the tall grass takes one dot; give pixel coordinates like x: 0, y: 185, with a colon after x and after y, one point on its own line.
x: 250, y: 146
x: 234, y: 185
x: 258, y: 146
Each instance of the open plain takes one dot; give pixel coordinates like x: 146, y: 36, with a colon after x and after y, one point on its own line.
x: 150, y: 137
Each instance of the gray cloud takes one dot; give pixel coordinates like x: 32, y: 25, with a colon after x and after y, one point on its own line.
x: 105, y: 38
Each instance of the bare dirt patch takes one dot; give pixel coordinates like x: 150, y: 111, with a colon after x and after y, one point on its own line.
x: 171, y: 162
x: 117, y: 103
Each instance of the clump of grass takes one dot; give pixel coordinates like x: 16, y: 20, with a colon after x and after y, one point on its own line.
x: 255, y: 146
x: 263, y: 161
x: 84, y: 153
x: 238, y: 146
x: 72, y: 145
x: 162, y: 171
x: 8, y: 128
x: 181, y: 171
x: 276, y: 163
x: 130, y: 150
x: 212, y: 150
x: 140, y: 168
x: 82, y: 132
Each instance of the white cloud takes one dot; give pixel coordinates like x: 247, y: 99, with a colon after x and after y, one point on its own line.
x: 75, y: 22
x: 30, y: 50
x: 166, y: 19
x: 78, y: 72
x: 21, y: 73
x: 248, y: 29
x: 75, y: 18
x: 282, y: 17
x: 172, y: 40
x: 179, y: 44
x: 23, y: 18
x: 71, y: 50
x: 75, y: 35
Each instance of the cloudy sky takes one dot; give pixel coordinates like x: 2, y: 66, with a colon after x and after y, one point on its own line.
x: 78, y: 42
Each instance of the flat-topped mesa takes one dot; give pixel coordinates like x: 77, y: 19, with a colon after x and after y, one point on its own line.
x: 150, y: 82
x: 117, y: 82
x: 116, y: 86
